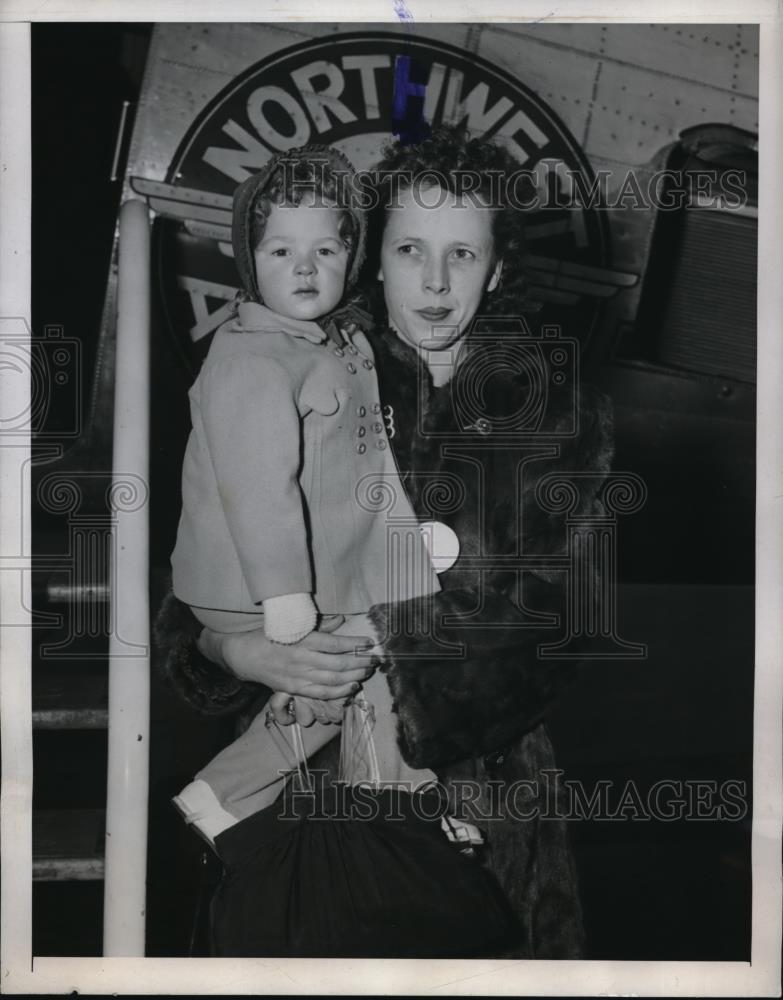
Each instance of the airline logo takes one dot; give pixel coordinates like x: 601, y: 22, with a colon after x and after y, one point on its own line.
x: 355, y: 91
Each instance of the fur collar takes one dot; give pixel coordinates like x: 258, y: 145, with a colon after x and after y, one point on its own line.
x: 419, y: 408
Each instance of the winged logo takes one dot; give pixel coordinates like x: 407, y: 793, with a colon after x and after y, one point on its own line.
x: 207, y: 215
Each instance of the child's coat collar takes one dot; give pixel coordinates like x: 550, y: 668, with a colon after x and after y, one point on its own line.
x: 252, y: 317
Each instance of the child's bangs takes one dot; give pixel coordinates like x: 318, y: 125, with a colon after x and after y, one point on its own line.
x: 292, y: 183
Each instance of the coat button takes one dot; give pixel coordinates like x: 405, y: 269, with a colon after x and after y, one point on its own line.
x: 376, y: 407
x: 483, y: 426
x: 377, y: 427
x: 339, y: 352
x: 360, y: 411
x: 351, y: 368
x: 361, y: 448
x: 367, y: 364
x: 352, y: 350
x: 380, y: 444
x: 492, y: 761
x: 361, y: 432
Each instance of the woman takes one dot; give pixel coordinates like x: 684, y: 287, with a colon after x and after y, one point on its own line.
x: 476, y: 421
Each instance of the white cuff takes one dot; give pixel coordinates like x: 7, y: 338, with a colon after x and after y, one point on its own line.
x: 200, y: 807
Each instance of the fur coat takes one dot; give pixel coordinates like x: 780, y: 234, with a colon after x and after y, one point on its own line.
x: 470, y: 689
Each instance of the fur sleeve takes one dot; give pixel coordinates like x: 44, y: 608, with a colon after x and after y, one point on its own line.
x: 204, y: 685
x: 463, y: 665
x: 489, y: 691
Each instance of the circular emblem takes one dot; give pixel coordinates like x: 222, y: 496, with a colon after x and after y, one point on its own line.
x: 355, y: 91
x: 442, y: 544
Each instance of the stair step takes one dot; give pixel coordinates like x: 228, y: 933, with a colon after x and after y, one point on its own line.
x: 65, y: 700
x: 55, y: 587
x: 68, y: 844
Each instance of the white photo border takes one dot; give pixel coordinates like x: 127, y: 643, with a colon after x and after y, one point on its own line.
x: 20, y: 971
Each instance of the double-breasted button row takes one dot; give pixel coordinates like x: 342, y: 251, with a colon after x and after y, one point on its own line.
x: 350, y: 366
x: 380, y: 444
x: 377, y: 427
x: 361, y: 410
x: 362, y: 430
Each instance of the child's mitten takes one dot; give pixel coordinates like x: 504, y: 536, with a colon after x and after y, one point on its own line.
x: 289, y: 617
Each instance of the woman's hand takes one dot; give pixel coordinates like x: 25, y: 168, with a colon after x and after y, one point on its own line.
x: 359, y: 624
x: 322, y: 666
x: 288, y: 708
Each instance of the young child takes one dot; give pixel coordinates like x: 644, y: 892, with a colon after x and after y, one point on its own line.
x: 278, y: 519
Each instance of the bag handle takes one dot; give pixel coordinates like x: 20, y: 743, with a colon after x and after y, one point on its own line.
x: 289, y: 751
x: 357, y: 744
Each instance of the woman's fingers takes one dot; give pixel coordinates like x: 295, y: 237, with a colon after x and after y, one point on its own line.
x: 303, y: 712
x: 335, y: 661
x: 336, y: 678
x: 309, y: 710
x: 328, y: 712
x: 320, y: 666
x: 286, y: 709
x: 334, y: 670
x: 324, y: 642
x: 327, y: 677
x: 330, y: 622
x: 280, y: 706
x: 332, y: 692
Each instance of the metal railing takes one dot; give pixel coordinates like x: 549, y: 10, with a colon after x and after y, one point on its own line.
x: 129, y: 657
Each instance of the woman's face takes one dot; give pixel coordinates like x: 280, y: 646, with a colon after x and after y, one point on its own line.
x: 437, y: 260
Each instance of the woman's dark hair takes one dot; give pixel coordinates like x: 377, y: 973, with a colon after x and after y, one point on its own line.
x: 470, y: 167
x: 288, y: 185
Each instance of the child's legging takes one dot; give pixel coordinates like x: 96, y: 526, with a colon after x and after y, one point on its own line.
x: 249, y: 773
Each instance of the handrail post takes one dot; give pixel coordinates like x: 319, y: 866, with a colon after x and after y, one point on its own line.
x: 129, y: 659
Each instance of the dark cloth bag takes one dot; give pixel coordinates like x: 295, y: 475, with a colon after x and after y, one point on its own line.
x: 352, y: 871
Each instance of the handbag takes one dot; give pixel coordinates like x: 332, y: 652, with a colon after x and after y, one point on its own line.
x: 352, y: 869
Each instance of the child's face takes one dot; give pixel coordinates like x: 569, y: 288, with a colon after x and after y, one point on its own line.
x: 301, y: 261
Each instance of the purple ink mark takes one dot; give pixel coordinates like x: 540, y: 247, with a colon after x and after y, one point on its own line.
x: 404, y: 88
x: 410, y: 90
